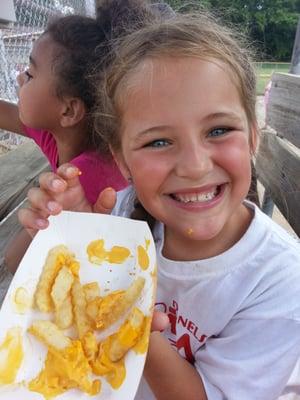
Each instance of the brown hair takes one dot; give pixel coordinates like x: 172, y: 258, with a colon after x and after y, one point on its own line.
x: 184, y: 35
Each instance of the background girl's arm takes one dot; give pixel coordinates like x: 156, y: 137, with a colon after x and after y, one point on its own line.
x: 169, y: 375
x: 9, y: 118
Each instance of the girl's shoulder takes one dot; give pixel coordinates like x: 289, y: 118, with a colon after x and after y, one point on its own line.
x: 272, y: 242
x: 125, y: 202
x: 274, y: 231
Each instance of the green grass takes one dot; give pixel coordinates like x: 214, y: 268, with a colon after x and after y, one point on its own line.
x: 265, y: 71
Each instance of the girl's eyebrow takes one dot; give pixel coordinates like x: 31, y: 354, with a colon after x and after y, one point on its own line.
x: 161, y: 128
x: 153, y: 130
x: 231, y: 115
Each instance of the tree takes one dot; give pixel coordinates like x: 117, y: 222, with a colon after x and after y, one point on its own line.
x: 269, y: 24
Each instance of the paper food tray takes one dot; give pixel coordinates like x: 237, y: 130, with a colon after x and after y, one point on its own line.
x: 76, y: 231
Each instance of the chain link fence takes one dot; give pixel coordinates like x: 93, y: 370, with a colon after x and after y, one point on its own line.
x: 16, y: 41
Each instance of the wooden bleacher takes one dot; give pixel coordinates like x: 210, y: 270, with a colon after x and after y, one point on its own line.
x: 278, y: 160
x: 19, y: 171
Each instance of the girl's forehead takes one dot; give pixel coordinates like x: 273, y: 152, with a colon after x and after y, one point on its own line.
x: 155, y: 70
x: 190, y: 86
x: 43, y: 49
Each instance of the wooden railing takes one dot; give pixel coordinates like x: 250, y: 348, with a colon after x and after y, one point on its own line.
x: 278, y: 160
x: 19, y: 170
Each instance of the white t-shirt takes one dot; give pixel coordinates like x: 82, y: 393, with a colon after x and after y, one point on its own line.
x: 235, y: 316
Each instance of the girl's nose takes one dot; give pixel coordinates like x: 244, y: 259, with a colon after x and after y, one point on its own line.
x: 194, y: 161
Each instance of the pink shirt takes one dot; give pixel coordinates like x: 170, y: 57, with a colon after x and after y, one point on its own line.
x: 97, y: 172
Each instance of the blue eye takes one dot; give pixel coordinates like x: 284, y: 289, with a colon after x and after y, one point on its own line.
x: 158, y: 143
x: 218, y: 132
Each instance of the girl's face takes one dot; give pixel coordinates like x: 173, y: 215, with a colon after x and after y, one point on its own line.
x: 185, y: 143
x: 38, y: 103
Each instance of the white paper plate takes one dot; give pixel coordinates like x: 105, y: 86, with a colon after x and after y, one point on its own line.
x: 76, y: 231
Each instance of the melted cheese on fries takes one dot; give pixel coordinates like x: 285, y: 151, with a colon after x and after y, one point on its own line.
x: 72, y: 363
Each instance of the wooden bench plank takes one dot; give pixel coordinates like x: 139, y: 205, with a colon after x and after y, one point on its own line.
x: 9, y: 226
x: 283, y: 111
x: 278, y: 169
x: 19, y: 171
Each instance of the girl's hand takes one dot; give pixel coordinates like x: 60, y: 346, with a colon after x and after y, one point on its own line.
x: 160, y: 321
x: 60, y: 191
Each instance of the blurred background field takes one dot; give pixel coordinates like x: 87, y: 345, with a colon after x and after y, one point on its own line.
x: 265, y: 71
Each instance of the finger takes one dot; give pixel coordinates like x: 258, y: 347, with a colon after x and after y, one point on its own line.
x: 160, y: 321
x: 40, y: 199
x: 32, y: 220
x: 106, y: 201
x: 52, y: 182
x: 69, y: 173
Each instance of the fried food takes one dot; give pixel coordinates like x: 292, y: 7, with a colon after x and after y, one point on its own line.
x: 66, y: 366
x: 110, y: 312
x: 82, y: 321
x: 114, y: 372
x: 103, y: 303
x: 127, y: 336
x: 48, y: 333
x: 91, y: 291
x: 61, y: 287
x: 57, y: 257
x: 64, y: 314
x: 69, y: 363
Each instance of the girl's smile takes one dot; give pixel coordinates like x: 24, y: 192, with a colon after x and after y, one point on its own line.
x: 184, y: 128
x: 192, y: 199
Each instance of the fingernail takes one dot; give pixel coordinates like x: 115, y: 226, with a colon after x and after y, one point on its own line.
x: 73, y: 170
x: 57, y: 184
x: 52, y: 206
x: 41, y: 223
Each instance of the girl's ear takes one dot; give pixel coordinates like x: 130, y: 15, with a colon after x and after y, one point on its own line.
x: 120, y: 161
x: 72, y: 112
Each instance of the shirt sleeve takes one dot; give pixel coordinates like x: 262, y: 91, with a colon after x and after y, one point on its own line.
x: 46, y: 143
x: 251, y: 359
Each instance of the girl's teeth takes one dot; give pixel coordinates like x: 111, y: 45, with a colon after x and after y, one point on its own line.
x: 196, y: 197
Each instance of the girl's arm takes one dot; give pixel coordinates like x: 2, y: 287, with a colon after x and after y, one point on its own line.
x: 9, y: 118
x: 169, y: 375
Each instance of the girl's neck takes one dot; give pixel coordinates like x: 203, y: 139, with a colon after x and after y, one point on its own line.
x: 178, y: 248
x: 70, y: 143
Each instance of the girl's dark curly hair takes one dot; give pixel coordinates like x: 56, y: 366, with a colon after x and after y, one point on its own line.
x: 83, y: 42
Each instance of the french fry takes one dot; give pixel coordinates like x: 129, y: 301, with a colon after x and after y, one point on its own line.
x: 90, y: 346
x: 91, y: 291
x: 61, y: 287
x: 127, y: 336
x: 111, y: 312
x: 48, y: 333
x: 92, y: 309
x: 64, y: 314
x: 57, y: 257
x: 82, y: 321
x: 66, y: 366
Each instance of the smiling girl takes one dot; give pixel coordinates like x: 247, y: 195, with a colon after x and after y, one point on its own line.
x: 177, y: 109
